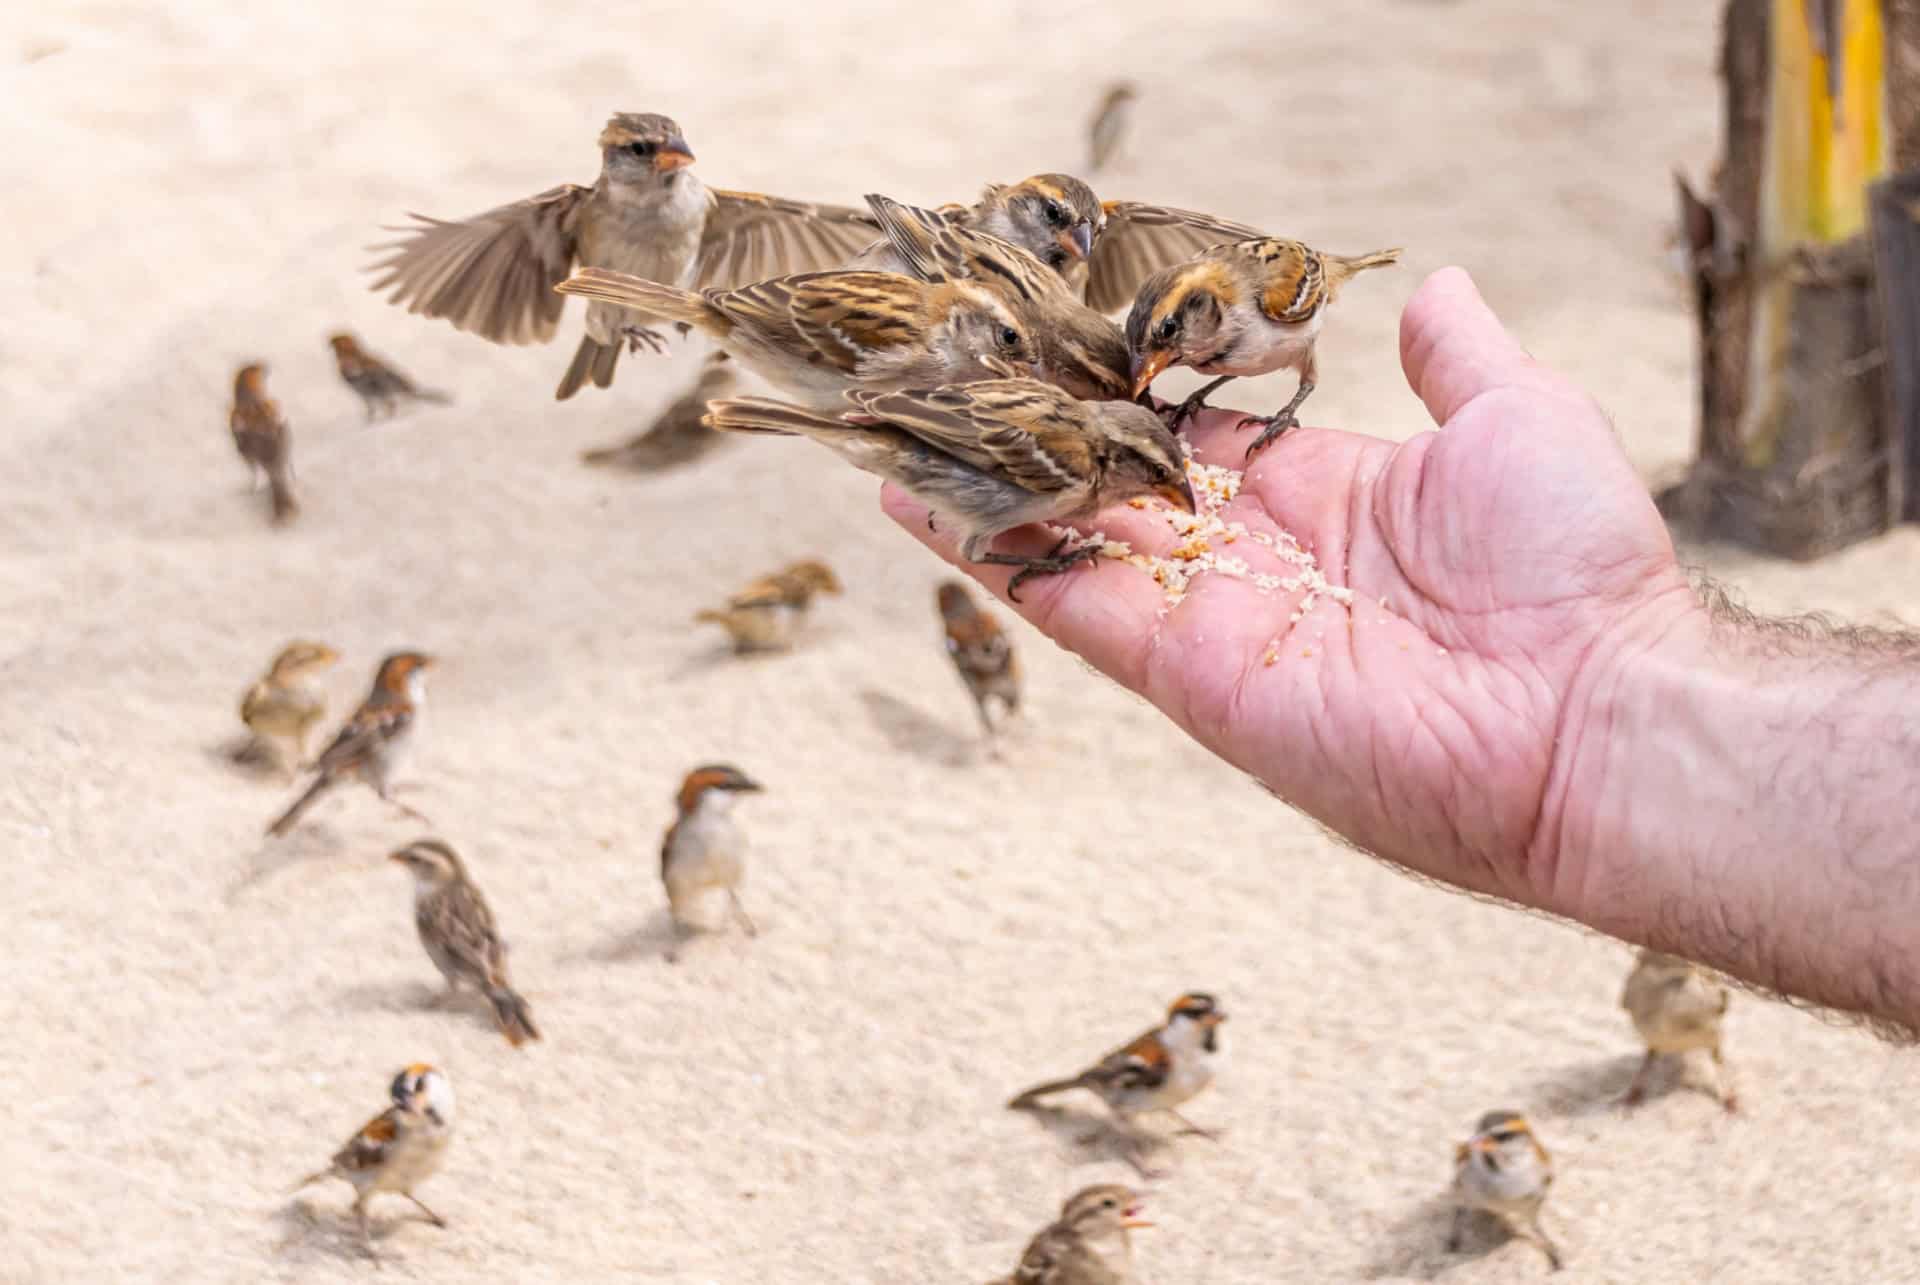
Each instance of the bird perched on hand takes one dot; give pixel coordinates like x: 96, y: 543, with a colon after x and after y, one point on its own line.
x: 981, y: 652
x: 380, y: 386
x: 283, y: 706
x: 263, y: 439
x: 1677, y: 1007
x: 1245, y: 308
x: 1159, y: 1070
x: 766, y: 614
x: 1075, y: 347
x: 1109, y: 124
x: 373, y: 744
x: 1089, y: 1244
x: 456, y: 927
x: 1103, y: 250
x: 648, y: 215
x: 1504, y: 1171
x: 991, y: 456
x: 676, y: 436
x: 816, y: 335
x: 705, y: 849
x: 398, y: 1149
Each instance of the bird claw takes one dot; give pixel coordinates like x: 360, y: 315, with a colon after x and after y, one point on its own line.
x: 1273, y: 427
x: 1052, y: 564
x: 648, y: 336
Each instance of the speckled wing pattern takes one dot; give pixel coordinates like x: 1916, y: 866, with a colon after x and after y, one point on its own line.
x: 749, y: 237
x: 1140, y: 239
x: 938, y: 245
x: 460, y: 922
x: 1295, y: 279
x: 492, y: 274
x: 370, y: 725
x: 1025, y: 431
x: 368, y: 1148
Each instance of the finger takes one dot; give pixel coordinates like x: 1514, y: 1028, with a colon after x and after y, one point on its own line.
x: 1106, y: 611
x: 1453, y: 348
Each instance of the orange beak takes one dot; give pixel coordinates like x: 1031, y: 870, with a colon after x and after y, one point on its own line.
x: 1180, y: 496
x: 1147, y: 366
x: 673, y: 154
x: 1132, y: 1220
x: 1077, y: 240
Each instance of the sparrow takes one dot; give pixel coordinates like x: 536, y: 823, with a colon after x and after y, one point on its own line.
x: 766, y: 614
x: 263, y: 439
x: 283, y: 706
x: 1504, y: 1171
x: 705, y: 849
x: 380, y: 386
x: 648, y: 214
x: 398, y: 1149
x: 1103, y: 250
x: 458, y: 931
x: 818, y: 334
x: 981, y: 652
x: 1676, y: 1007
x: 1109, y: 124
x: 676, y: 436
x: 991, y: 456
x: 372, y: 745
x: 1244, y: 308
x: 1089, y: 1244
x: 1159, y: 1070
x: 1075, y: 347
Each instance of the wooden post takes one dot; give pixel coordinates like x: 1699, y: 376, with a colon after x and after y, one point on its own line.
x: 1896, y: 254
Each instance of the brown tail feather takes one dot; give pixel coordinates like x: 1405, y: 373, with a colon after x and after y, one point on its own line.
x: 765, y: 415
x: 1032, y: 1096
x: 665, y: 303
x: 300, y: 805
x: 285, y: 507
x: 1341, y: 269
x: 586, y: 359
x: 514, y: 1016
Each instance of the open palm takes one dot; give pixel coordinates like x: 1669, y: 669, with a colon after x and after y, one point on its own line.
x: 1501, y: 569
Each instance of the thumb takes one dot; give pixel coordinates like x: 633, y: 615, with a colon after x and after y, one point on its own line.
x: 1453, y: 348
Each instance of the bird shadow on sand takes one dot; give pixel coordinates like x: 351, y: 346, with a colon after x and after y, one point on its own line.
x: 655, y: 939
x: 309, y: 1234
x: 909, y: 731
x: 1417, y: 1243
x: 251, y: 758
x: 1083, y: 1137
x: 1584, y: 1088
x: 397, y: 997
x: 313, y: 842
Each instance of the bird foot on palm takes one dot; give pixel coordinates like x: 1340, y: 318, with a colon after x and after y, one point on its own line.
x: 1052, y: 563
x: 1180, y: 415
x: 638, y: 336
x: 1272, y: 426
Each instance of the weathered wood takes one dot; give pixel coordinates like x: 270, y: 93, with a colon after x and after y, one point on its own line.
x: 1896, y: 254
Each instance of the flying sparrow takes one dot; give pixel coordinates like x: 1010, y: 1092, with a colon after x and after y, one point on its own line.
x: 1089, y: 1244
x: 380, y: 386
x: 1159, y: 1070
x: 263, y: 439
x: 1246, y: 308
x: 648, y: 215
x: 1677, y: 1007
x: 1103, y: 250
x: 1075, y: 347
x: 705, y: 850
x: 373, y: 744
x: 766, y: 614
x: 992, y: 456
x: 398, y: 1149
x: 283, y: 706
x: 458, y: 931
x: 676, y: 436
x: 1504, y: 1171
x: 981, y: 652
x: 1109, y: 124
x: 816, y: 335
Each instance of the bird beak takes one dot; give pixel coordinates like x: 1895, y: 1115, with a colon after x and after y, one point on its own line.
x: 672, y: 155
x: 1147, y: 366
x: 1180, y: 496
x: 400, y: 857
x: 1481, y: 1145
x: 1131, y: 1219
x: 1078, y: 240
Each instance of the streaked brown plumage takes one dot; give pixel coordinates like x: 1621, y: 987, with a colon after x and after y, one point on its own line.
x: 819, y: 334
x: 766, y: 614
x: 647, y: 215
x: 1108, y: 128
x: 1089, y: 1244
x: 677, y: 436
x: 380, y: 387
x: 372, y: 745
x: 981, y: 652
x: 1677, y: 1007
x: 1244, y: 308
x: 398, y: 1149
x: 282, y: 707
x: 263, y: 439
x: 991, y: 456
x: 457, y: 929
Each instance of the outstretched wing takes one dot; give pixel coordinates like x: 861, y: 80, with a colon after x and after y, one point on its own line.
x: 492, y: 274
x: 1141, y: 239
x: 749, y: 237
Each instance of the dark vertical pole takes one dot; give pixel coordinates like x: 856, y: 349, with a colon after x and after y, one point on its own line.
x: 1896, y: 255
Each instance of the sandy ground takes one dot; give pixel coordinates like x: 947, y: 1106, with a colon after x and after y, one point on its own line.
x: 197, y: 1018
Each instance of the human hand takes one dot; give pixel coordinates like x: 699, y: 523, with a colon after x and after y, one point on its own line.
x: 1505, y: 570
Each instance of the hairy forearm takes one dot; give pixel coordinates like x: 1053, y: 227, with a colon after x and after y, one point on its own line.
x: 1747, y: 793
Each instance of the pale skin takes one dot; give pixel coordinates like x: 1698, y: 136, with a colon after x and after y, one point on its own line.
x: 1544, y: 709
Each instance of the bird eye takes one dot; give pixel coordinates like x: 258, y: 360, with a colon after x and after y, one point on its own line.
x: 1008, y: 337
x: 1167, y: 329
x: 641, y: 148
x: 1056, y: 214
